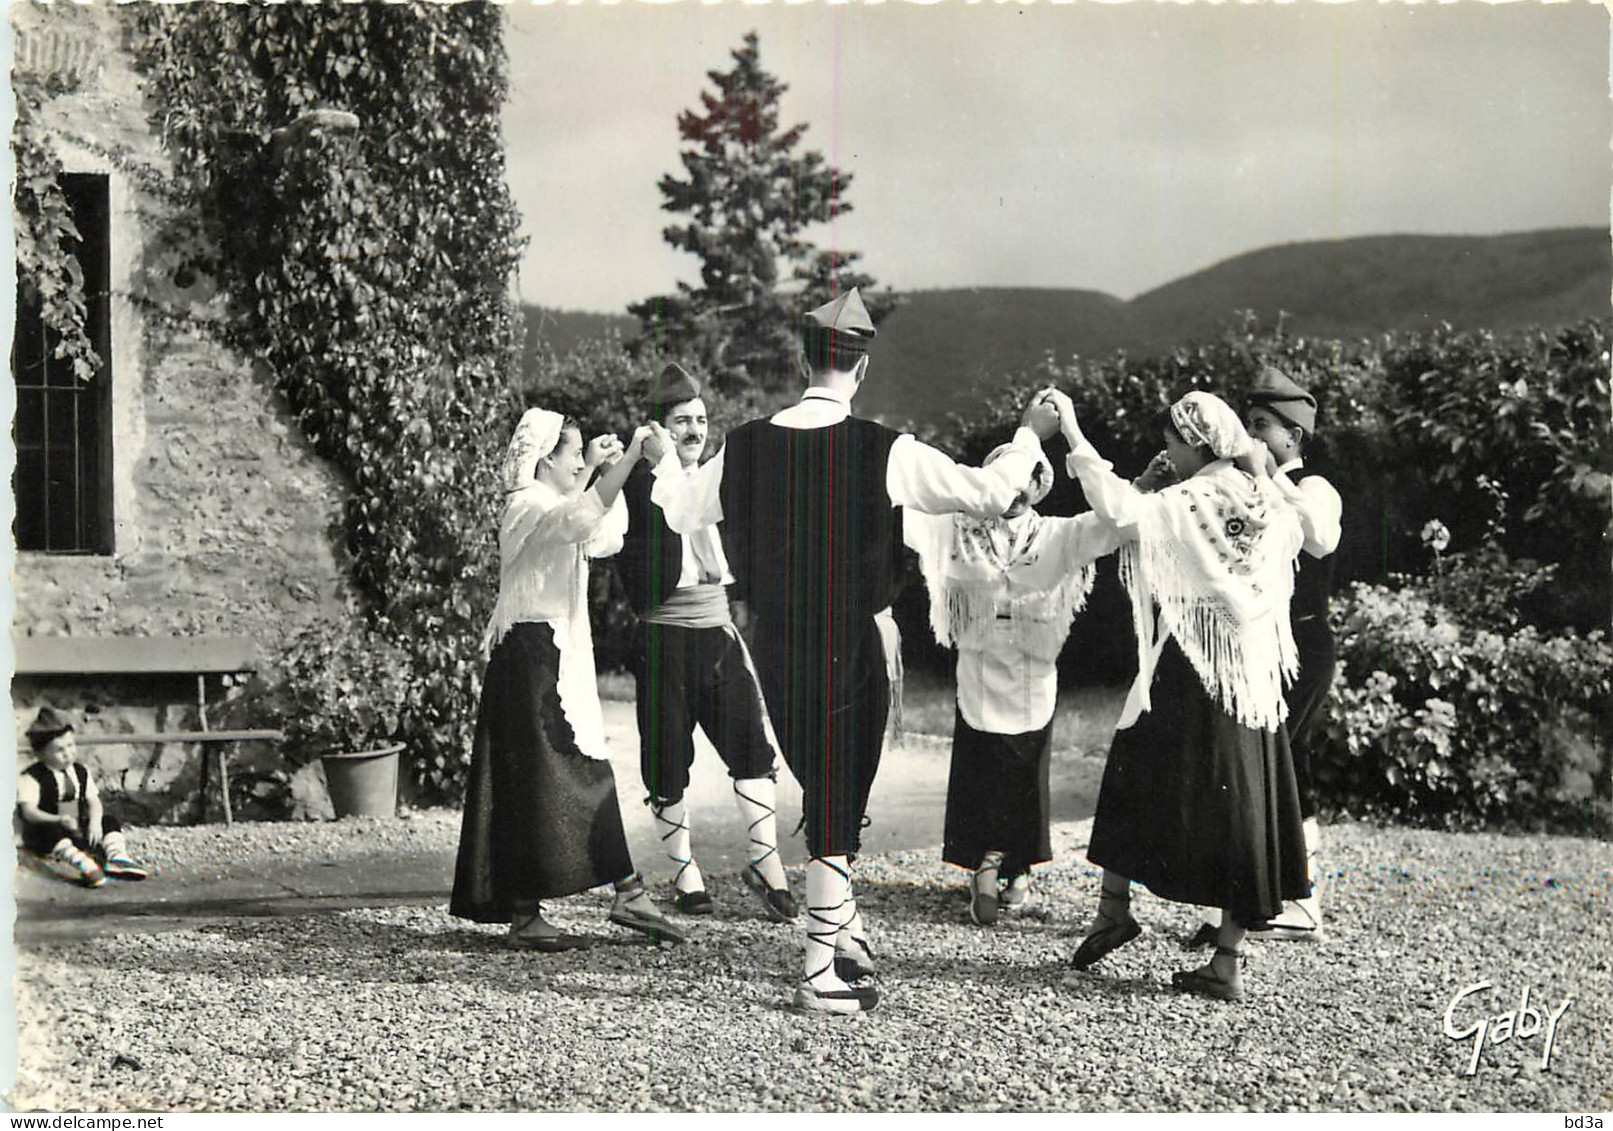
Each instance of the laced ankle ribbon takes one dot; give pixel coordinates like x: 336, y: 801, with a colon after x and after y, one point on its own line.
x: 820, y: 928
x: 684, y: 863
x: 750, y: 829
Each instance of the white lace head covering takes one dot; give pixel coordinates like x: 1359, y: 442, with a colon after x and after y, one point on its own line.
x: 1204, y: 419
x: 535, y: 437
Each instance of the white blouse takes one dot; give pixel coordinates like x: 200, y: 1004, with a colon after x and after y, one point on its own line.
x: 1007, y: 675
x: 1319, y: 507
x: 545, y: 540
x: 916, y: 475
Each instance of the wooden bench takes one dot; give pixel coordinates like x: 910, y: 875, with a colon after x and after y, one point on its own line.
x: 200, y: 656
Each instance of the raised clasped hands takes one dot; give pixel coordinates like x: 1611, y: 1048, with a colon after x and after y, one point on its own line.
x: 602, y: 449
x: 1060, y: 400
x: 1160, y: 472
x: 657, y: 442
x: 639, y: 446
x: 1041, y: 417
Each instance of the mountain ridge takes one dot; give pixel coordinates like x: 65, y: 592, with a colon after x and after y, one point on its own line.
x: 937, y: 350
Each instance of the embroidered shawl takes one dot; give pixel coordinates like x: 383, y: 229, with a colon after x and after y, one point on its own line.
x: 1215, y: 555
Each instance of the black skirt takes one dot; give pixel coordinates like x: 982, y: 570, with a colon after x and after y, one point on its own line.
x: 998, y: 798
x: 1199, y: 808
x: 541, y: 818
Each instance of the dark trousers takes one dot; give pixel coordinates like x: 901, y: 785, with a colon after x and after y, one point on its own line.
x: 828, y: 696
x: 689, y: 676
x: 1318, y: 660
x: 40, y: 839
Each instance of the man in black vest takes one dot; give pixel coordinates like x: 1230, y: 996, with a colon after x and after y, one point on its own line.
x: 808, y: 504
x: 1283, y: 415
x: 692, y: 667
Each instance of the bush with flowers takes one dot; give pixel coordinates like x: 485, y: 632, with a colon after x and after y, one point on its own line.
x: 1447, y: 711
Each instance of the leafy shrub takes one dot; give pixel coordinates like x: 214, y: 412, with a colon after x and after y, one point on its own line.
x: 347, y: 164
x: 1435, y: 719
x: 1411, y: 425
x: 343, y: 692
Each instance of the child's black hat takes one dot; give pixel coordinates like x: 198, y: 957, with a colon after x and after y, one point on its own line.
x: 47, y: 725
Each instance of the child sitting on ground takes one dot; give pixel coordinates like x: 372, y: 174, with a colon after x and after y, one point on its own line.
x: 62, y: 818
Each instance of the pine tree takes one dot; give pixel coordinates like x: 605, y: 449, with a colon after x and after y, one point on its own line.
x: 749, y: 196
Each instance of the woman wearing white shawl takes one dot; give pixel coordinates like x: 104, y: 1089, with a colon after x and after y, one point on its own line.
x: 1198, y: 800
x: 541, y: 815
x: 1004, y: 591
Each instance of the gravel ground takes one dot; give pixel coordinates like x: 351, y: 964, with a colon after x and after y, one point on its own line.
x: 406, y: 1009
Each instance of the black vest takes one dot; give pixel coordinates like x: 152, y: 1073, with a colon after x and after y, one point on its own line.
x: 808, y: 525
x: 1313, y: 584
x: 49, y: 796
x: 651, y: 558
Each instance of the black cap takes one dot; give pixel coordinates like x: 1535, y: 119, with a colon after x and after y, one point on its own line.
x: 672, y: 387
x: 47, y: 725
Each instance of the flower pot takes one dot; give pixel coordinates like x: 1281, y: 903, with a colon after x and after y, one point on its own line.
x: 364, y: 784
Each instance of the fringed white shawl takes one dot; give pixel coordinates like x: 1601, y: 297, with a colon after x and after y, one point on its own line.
x: 975, y: 570
x: 1215, y: 555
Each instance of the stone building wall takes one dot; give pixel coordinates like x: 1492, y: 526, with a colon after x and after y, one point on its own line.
x: 225, y: 522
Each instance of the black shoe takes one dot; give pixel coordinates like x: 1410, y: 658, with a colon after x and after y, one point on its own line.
x: 549, y: 944
x: 695, y: 903
x: 779, y: 902
x: 1206, y: 982
x: 1205, y: 936
x: 1100, y: 942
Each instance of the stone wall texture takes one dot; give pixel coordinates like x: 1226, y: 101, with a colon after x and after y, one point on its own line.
x: 226, y: 523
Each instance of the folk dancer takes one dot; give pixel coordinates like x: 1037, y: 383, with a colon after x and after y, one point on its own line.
x: 541, y: 816
x: 1198, y: 800
x: 1283, y: 415
x: 1004, y: 591
x: 692, y: 667
x: 809, y: 499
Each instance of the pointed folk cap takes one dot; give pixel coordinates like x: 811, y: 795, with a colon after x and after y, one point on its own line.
x: 672, y: 387
x: 846, y: 319
x: 1276, y: 391
x: 48, y: 724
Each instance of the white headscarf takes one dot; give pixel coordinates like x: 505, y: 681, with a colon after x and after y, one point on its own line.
x: 1205, y: 420
x: 535, y: 437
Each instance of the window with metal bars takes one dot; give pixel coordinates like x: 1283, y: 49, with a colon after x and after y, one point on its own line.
x: 63, y: 430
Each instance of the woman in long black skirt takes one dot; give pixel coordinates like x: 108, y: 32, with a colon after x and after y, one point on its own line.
x: 1004, y: 591
x: 1198, y: 801
x: 541, y: 815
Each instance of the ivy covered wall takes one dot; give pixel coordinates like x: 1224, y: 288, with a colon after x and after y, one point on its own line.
x: 346, y: 163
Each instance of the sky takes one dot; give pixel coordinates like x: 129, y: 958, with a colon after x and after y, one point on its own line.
x: 1106, y: 146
